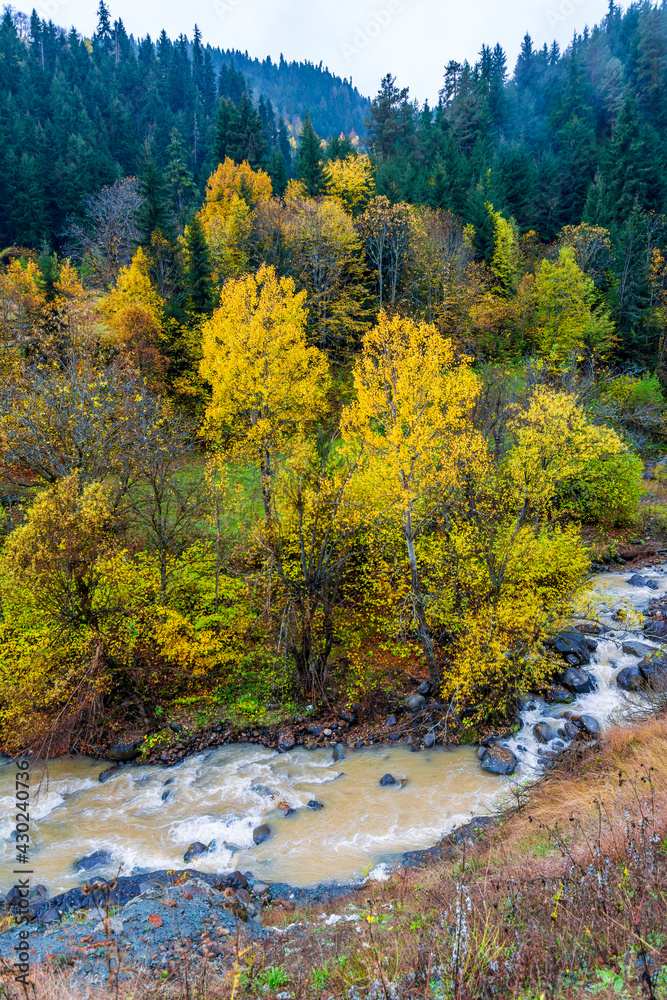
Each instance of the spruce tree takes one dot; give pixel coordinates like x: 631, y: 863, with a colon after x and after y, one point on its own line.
x: 200, y: 295
x: 153, y: 213
x: 309, y: 167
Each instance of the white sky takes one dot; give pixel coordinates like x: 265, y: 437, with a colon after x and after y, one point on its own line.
x: 412, y: 39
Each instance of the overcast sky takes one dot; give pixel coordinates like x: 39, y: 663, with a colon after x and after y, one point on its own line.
x: 362, y: 39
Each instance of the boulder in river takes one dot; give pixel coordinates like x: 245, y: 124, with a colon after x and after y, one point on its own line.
x: 635, y: 648
x: 654, y: 671
x: 338, y: 753
x: 314, y: 804
x: 630, y: 679
x: 194, y: 850
x: 589, y: 725
x: 125, y: 751
x: 558, y: 695
x: 415, y: 702
x: 261, y: 833
x: 109, y: 773
x: 388, y: 779
x: 499, y: 760
x: 573, y: 643
x: 94, y: 860
x: 286, y: 740
x: 429, y: 740
x: 655, y: 629
x: 577, y: 681
x: 543, y: 732
x: 641, y: 581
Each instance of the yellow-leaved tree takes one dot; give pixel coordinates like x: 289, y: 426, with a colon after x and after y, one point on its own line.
x: 267, y: 384
x: 412, y: 421
x: 133, y: 290
x: 514, y: 567
x: 350, y: 182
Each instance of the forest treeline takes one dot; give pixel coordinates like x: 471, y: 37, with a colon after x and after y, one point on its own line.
x: 77, y: 114
x: 315, y: 431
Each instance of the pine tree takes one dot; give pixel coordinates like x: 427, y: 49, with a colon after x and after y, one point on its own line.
x: 309, y: 159
x: 104, y: 33
x: 198, y: 274
x: 153, y: 215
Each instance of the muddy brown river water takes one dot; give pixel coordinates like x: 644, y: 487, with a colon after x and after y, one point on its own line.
x: 145, y: 817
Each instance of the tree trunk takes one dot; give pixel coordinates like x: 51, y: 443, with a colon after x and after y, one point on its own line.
x: 265, y: 470
x: 418, y: 604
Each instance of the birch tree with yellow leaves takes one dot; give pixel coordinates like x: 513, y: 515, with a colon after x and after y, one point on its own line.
x: 267, y: 384
x: 412, y: 422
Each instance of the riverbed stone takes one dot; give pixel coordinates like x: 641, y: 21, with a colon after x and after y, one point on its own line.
x: 261, y: 833
x: 94, y: 860
x: 543, y: 732
x: 388, y: 779
x: 110, y: 773
x: 425, y: 688
x: 286, y: 740
x: 558, y: 694
x: 338, y: 753
x: 499, y: 760
x: 636, y: 580
x: 415, y: 702
x: 429, y: 740
x: 578, y: 681
x: 630, y: 679
x: 391, y: 721
x: 654, y: 671
x: 314, y: 804
x: 635, y: 648
x: 125, y: 751
x: 655, y: 629
x: 573, y: 643
x: 589, y: 725
x: 194, y: 850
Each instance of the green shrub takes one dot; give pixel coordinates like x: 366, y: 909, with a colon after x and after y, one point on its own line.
x: 607, y: 492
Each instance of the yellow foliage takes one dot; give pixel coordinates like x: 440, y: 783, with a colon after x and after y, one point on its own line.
x: 295, y: 191
x: 231, y: 181
x: 133, y: 288
x: 350, y: 182
x: 227, y: 236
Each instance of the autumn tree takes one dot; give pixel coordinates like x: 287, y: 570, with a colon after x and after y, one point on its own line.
x: 411, y: 419
x: 387, y: 233
x: 350, y: 182
x: 104, y: 240
x: 266, y: 383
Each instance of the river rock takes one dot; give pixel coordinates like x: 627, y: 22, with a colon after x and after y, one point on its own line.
x: 194, y: 850
x: 314, y: 804
x: 125, y: 751
x: 655, y: 629
x: 429, y: 740
x: 558, y: 695
x: 573, y: 643
x: 589, y: 725
x: 499, y: 760
x: 50, y: 916
x: 569, y: 731
x: 348, y: 717
x: 261, y: 833
x: 286, y: 740
x: 166, y: 795
x: 388, y: 779
x: 635, y: 648
x: 654, y: 671
x: 641, y: 581
x: 577, y: 681
x: 109, y: 773
x: 314, y: 730
x: 543, y: 732
x: 630, y: 679
x: 415, y: 702
x: 482, y: 752
x: 338, y: 753
x: 391, y: 721
x: 94, y: 860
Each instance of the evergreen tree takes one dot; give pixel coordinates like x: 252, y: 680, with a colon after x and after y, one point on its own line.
x: 153, y: 215
x: 309, y: 167
x: 104, y: 32
x: 200, y: 295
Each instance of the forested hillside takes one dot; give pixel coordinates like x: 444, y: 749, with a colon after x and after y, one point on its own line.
x: 77, y: 114
x: 298, y: 421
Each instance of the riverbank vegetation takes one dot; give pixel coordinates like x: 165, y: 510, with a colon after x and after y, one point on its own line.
x: 317, y: 438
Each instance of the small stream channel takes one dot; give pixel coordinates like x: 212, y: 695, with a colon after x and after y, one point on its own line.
x: 145, y: 817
